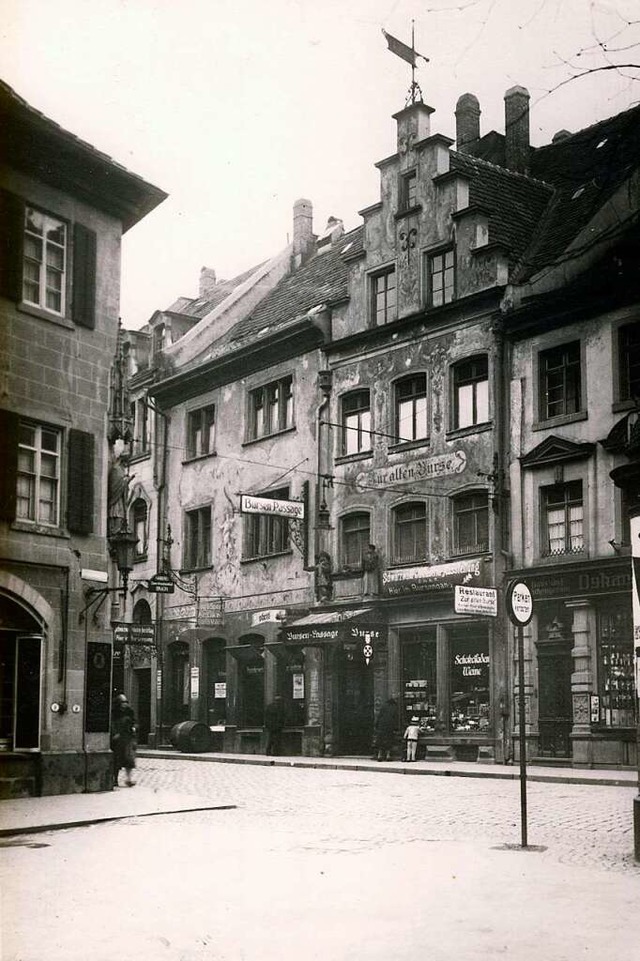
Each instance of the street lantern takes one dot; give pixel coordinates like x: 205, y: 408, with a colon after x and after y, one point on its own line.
x: 122, y: 546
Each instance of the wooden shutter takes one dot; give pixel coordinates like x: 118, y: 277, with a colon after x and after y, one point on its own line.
x: 9, y: 435
x: 11, y: 240
x: 80, y: 482
x: 84, y: 276
x: 26, y: 732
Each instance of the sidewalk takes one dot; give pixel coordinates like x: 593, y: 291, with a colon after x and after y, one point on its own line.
x: 479, y: 769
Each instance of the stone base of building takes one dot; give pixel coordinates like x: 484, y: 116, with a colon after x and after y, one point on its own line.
x: 605, y: 749
x: 65, y: 772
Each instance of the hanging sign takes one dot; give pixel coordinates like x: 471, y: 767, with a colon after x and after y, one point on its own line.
x: 519, y: 603
x: 269, y: 505
x: 475, y: 600
x: 268, y: 617
x: 161, y: 584
x: 425, y: 468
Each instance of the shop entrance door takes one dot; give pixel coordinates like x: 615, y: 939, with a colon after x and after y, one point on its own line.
x: 355, y: 705
x: 143, y: 678
x: 555, y: 710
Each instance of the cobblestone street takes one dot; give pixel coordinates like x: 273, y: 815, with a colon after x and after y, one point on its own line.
x: 345, y: 810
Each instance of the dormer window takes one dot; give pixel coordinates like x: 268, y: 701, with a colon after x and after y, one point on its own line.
x: 441, y: 277
x: 408, y: 190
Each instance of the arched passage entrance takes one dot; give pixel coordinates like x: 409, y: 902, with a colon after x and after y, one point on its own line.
x: 21, y: 650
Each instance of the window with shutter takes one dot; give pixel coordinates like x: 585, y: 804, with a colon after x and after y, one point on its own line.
x: 80, y: 482
x: 84, y: 276
x: 9, y: 431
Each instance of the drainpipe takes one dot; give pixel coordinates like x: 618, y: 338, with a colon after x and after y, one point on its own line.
x: 160, y: 484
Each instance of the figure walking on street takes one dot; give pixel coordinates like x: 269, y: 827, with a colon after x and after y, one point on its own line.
x: 123, y: 739
x: 385, y: 729
x: 411, y: 738
x: 274, y: 723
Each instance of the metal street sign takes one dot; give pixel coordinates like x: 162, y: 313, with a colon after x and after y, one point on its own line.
x: 161, y: 584
x: 269, y: 505
x: 519, y: 603
x: 134, y: 633
x: 475, y: 600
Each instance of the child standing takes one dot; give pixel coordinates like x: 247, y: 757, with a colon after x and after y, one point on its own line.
x: 411, y: 737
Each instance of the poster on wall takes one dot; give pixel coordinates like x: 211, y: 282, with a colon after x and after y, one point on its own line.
x: 220, y: 689
x: 298, y: 686
x: 195, y: 682
x: 98, y: 696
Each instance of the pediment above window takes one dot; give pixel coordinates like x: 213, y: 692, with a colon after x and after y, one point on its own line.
x: 556, y: 450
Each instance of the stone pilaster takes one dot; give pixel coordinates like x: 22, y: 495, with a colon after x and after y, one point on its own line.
x: 581, y: 679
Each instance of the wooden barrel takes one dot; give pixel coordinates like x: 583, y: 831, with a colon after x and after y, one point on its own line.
x: 190, y: 736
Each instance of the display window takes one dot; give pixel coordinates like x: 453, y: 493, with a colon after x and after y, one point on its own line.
x: 292, y: 688
x: 419, y: 675
x: 469, y: 664
x: 615, y: 655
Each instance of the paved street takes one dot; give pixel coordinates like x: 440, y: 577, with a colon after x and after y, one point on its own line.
x: 331, y: 864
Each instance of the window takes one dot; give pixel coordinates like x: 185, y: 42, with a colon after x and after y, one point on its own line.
x: 471, y: 392
x: 38, y: 497
x: 267, y: 534
x: 469, y: 673
x: 560, y: 388
x: 629, y: 361
x: 159, y: 338
x: 441, y: 278
x: 471, y: 523
x: 141, y: 433
x: 356, y: 422
x: 383, y: 297
x: 356, y: 536
x: 409, y: 533
x: 420, y: 678
x: 45, y: 261
x: 198, y: 538
x: 271, y: 408
x: 408, y: 190
x: 201, y: 431
x: 139, y: 515
x: 617, y: 684
x: 563, y: 519
x: 411, y: 408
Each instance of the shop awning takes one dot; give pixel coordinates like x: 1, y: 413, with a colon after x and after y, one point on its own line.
x: 325, y: 627
x: 247, y: 653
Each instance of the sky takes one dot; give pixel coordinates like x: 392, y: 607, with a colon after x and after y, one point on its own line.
x: 236, y: 108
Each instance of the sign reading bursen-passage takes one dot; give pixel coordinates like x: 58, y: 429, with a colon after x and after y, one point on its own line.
x: 475, y: 600
x: 269, y: 505
x: 431, y: 577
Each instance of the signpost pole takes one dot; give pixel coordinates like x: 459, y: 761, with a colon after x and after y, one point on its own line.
x: 523, y: 738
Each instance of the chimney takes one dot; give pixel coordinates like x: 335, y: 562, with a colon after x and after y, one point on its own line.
x: 516, y: 129
x: 333, y: 233
x: 467, y: 122
x: 207, y: 281
x: 302, y: 229
x: 560, y: 135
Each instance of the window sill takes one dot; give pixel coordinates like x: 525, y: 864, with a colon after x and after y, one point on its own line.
x: 45, y: 315
x: 406, y: 445
x: 26, y: 527
x: 194, y: 570
x: 278, y: 433
x: 265, y: 557
x: 471, y: 429
x: 400, y: 565
x: 143, y: 455
x: 559, y: 421
x: 199, y: 457
x: 354, y: 458
x: 407, y: 211
x: 549, y: 560
x: 620, y: 406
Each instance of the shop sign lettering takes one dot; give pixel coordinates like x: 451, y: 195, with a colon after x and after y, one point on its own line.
x: 434, y: 577
x: 269, y: 505
x: 473, y: 665
x: 569, y: 583
x: 425, y: 468
x: 268, y: 617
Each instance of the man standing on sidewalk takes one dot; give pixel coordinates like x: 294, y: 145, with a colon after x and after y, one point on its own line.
x: 274, y: 723
x: 386, y: 724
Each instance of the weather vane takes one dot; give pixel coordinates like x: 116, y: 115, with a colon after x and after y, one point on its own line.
x: 410, y: 55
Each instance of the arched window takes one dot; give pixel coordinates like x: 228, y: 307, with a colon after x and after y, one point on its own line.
x: 140, y: 515
x: 410, y: 533
x: 355, y: 530
x: 142, y: 613
x: 411, y: 408
x: 471, y: 523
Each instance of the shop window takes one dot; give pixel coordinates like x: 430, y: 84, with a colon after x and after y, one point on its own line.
x: 139, y: 513
x: 471, y: 523
x: 410, y: 533
x: 563, y: 519
x: 271, y: 408
x: 616, y: 669
x: 197, y: 551
x: 411, y: 408
x: 201, y: 431
x: 356, y: 422
x: 355, y: 538
x: 419, y: 679
x: 38, y: 480
x: 560, y: 381
x: 408, y: 190
x: 629, y: 361
x: 45, y: 261
x: 471, y: 392
x: 383, y: 296
x: 469, y: 680
x: 441, y: 277
x: 266, y: 534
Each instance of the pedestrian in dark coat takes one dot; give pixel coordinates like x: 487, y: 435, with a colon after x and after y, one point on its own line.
x: 274, y: 723
x: 385, y: 728
x: 124, y: 741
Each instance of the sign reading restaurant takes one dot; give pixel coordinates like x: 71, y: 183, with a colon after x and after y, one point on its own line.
x: 424, y: 468
x: 431, y: 577
x: 269, y: 505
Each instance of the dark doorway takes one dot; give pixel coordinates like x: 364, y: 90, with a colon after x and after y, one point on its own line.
x: 555, y: 712
x: 355, y: 725
x: 143, y: 683
x: 178, y: 683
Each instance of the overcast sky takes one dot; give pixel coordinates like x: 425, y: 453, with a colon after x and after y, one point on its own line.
x: 238, y: 107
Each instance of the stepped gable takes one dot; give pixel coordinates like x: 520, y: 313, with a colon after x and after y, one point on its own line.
x: 514, y: 201
x: 585, y: 169
x: 323, y: 279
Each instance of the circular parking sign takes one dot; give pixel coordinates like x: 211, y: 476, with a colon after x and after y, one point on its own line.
x: 519, y: 603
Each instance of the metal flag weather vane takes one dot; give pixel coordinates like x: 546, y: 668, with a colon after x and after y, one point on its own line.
x: 410, y: 55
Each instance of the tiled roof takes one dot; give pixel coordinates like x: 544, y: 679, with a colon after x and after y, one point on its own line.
x: 201, y: 306
x: 515, y: 202
x: 322, y: 279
